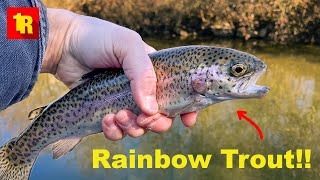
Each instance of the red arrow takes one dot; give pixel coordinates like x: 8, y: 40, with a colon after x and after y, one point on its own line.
x: 241, y: 114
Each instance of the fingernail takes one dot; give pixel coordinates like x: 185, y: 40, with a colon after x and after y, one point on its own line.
x: 151, y: 104
x: 125, y: 124
x: 145, y: 121
x: 110, y: 124
x: 148, y: 121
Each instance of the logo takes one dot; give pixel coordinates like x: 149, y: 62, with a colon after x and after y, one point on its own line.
x: 23, y: 23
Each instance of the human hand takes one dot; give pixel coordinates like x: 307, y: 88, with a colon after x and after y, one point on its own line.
x: 78, y: 44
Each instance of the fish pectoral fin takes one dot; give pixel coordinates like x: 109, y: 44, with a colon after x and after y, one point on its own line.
x: 64, y: 146
x: 179, y: 111
x: 35, y: 113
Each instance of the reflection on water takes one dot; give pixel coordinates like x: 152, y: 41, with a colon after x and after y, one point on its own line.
x: 288, y: 116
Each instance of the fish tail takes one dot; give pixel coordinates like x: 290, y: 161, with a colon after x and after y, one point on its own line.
x: 15, y: 164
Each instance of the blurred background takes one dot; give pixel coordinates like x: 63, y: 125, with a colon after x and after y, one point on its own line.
x: 283, y: 21
x: 279, y: 32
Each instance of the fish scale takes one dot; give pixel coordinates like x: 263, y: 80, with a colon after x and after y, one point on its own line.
x: 189, y: 78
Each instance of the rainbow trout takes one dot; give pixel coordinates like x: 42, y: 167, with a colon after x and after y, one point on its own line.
x: 189, y: 78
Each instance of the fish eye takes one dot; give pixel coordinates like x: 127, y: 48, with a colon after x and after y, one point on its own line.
x: 238, y: 70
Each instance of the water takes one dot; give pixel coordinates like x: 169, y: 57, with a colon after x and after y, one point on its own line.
x: 288, y: 116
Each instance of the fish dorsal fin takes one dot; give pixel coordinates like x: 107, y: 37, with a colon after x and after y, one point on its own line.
x: 35, y: 113
x: 64, y: 146
x: 97, y: 72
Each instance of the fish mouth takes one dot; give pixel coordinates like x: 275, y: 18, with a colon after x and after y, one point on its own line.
x: 254, y: 91
x: 249, y: 89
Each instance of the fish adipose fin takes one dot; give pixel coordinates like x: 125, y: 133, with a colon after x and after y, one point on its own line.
x: 14, y: 165
x: 64, y: 146
x: 35, y: 113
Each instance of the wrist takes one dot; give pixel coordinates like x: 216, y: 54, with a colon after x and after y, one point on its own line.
x: 60, y: 26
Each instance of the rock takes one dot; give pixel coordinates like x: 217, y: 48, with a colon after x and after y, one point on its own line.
x: 184, y: 34
x: 263, y: 32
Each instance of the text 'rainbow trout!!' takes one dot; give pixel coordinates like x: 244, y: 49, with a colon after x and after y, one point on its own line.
x: 189, y: 78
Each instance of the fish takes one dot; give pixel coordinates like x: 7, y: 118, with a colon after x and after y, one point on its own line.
x: 189, y: 78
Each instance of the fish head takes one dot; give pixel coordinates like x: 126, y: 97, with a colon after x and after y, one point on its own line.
x: 228, y: 74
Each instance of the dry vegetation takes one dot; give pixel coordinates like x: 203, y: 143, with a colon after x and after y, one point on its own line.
x: 286, y: 21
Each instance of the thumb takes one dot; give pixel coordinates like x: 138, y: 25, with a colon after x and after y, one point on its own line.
x: 139, y: 69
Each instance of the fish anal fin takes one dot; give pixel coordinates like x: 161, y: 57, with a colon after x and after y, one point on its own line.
x: 35, y: 113
x: 64, y: 146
